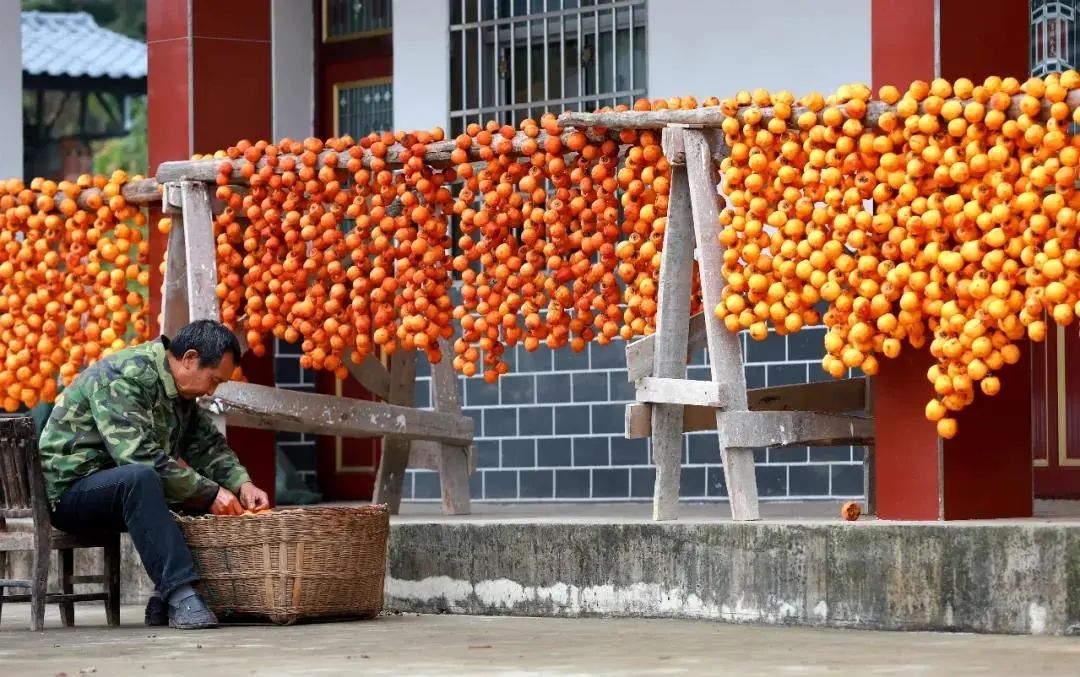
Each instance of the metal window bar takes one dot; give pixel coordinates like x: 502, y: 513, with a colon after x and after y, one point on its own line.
x: 518, y: 32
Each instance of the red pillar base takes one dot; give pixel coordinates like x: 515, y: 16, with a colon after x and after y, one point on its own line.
x: 984, y: 472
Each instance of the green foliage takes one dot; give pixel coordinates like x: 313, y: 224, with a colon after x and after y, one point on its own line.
x: 128, y: 153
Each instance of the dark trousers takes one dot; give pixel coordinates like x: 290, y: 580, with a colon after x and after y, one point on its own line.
x: 130, y: 498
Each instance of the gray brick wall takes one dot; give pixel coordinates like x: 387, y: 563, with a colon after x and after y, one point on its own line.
x: 299, y: 448
x: 552, y: 430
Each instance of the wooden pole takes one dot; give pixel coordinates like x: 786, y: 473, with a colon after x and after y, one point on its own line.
x: 672, y: 330
x: 390, y: 477
x: 174, y: 307
x: 725, y: 353
x: 200, y: 259
x: 454, y: 460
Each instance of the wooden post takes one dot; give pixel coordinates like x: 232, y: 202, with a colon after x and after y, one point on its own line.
x: 672, y: 330
x: 174, y: 306
x: 725, y: 353
x: 454, y: 460
x: 395, y: 450
x: 200, y: 254
x: 200, y: 259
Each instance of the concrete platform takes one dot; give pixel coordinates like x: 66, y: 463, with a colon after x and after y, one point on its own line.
x: 477, y: 645
x: 800, y: 565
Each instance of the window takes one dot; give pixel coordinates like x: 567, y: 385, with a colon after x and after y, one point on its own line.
x: 363, y: 107
x: 1053, y: 36
x: 515, y: 59
x: 349, y: 19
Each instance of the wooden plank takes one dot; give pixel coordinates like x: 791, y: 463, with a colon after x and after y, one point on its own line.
x: 454, y: 460
x: 695, y: 419
x: 395, y: 450
x: 681, y: 391
x: 438, y: 155
x: 786, y: 428
x: 16, y: 541
x: 638, y: 418
x: 200, y: 252
x: 55, y: 597
x: 257, y: 406
x: 174, y: 308
x: 15, y: 583
x: 725, y: 352
x: 372, y: 374
x: 837, y: 397
x: 669, y: 348
x: 639, y: 354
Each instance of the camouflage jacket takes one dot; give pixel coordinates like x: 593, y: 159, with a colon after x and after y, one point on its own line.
x: 126, y: 409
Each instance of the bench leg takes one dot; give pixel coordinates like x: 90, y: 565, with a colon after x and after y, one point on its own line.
x: 3, y: 572
x: 112, y: 581
x: 40, y: 582
x: 67, y: 571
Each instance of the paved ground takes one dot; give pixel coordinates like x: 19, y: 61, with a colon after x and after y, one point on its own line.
x: 448, y: 645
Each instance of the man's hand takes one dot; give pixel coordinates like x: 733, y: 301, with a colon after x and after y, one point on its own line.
x: 253, y: 498
x: 225, y: 503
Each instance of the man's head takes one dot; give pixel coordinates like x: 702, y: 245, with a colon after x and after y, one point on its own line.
x: 202, y: 356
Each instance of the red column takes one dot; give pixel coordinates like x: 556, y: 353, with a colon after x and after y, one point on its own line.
x: 985, y: 471
x: 209, y: 86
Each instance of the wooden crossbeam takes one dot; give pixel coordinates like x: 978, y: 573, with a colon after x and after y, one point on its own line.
x: 698, y: 418
x: 713, y: 116
x: 829, y: 397
x: 438, y: 155
x: 639, y: 354
x: 257, y: 406
x: 681, y: 391
x: 787, y: 428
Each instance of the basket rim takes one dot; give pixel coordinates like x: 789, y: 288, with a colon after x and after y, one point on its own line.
x: 372, y: 509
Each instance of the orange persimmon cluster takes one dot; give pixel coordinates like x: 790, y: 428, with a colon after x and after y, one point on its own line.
x: 944, y: 218
x: 72, y: 255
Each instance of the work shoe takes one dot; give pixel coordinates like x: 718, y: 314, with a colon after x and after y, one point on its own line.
x: 191, y: 614
x: 157, y: 612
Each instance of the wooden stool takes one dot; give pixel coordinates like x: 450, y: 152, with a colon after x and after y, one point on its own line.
x: 22, y: 495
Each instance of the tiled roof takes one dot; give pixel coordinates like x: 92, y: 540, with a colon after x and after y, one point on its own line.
x: 73, y: 45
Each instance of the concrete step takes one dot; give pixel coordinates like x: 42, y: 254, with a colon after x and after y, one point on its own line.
x: 1015, y: 577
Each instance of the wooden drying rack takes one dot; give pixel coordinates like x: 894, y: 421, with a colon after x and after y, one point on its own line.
x: 440, y: 440
x: 668, y: 404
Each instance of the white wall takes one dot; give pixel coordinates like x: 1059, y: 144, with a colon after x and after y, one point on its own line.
x: 707, y: 48
x: 421, y: 64
x: 292, y: 30
x: 11, y: 131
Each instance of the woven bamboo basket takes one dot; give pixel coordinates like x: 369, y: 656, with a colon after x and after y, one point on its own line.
x: 291, y: 565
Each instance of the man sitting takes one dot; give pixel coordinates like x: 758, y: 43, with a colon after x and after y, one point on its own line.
x: 111, y: 453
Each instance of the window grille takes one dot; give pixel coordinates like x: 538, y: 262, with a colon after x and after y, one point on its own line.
x: 1053, y: 36
x: 363, y: 107
x: 515, y: 59
x: 351, y: 19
